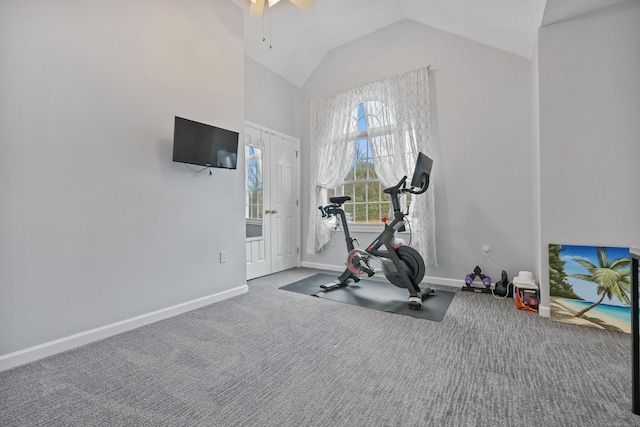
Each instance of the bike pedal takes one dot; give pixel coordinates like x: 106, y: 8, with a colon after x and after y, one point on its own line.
x: 333, y: 285
x: 415, y: 303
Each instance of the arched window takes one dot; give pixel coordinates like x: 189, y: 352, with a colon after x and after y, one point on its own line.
x: 367, y: 122
x: 388, y: 126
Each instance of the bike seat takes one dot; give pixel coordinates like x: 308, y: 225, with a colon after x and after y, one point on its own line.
x: 338, y: 200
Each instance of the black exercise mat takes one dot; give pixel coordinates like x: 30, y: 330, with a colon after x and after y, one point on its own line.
x: 381, y: 296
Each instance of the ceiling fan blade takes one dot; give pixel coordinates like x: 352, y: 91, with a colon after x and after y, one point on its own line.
x: 304, y: 4
x: 256, y: 7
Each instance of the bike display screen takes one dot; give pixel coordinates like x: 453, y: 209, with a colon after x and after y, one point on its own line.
x: 422, y: 173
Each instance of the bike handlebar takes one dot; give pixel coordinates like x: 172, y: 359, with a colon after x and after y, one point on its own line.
x: 396, y: 188
x: 403, y: 183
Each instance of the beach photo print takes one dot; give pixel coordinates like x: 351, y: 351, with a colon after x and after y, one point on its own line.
x: 590, y: 286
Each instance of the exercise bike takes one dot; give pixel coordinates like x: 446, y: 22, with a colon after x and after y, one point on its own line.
x: 402, y: 265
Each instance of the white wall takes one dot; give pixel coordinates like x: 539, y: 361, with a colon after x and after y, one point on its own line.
x: 590, y: 130
x: 270, y: 100
x: 535, y: 156
x: 97, y: 223
x: 482, y: 133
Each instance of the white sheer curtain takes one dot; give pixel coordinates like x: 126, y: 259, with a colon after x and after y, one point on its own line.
x: 331, y: 155
x: 401, y: 104
x: 398, y: 120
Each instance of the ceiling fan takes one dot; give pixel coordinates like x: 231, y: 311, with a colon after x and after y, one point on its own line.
x: 257, y: 6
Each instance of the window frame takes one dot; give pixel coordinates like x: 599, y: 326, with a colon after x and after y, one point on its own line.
x: 338, y: 190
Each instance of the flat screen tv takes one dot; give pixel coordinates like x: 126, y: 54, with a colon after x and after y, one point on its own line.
x: 204, y: 145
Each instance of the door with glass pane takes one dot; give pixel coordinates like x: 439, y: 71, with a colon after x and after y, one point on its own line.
x: 272, y: 202
x: 258, y: 259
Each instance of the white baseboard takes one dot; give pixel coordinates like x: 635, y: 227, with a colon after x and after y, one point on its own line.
x: 319, y: 266
x: 427, y: 279
x: 11, y: 360
x: 454, y: 283
x: 544, y: 311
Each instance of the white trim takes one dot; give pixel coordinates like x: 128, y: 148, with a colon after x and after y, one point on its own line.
x: 271, y: 131
x: 319, y: 266
x: 454, y: 283
x: 364, y: 228
x: 20, y: 357
x: 442, y: 281
x: 544, y: 311
x: 296, y: 142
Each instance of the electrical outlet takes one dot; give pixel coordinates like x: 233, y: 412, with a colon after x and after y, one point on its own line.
x: 486, y: 250
x: 223, y: 256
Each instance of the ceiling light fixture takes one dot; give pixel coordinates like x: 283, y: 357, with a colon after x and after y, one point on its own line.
x: 257, y: 8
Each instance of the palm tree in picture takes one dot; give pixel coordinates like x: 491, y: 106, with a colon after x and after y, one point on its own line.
x: 611, y: 278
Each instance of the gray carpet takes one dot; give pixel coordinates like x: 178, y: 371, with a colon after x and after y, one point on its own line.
x: 274, y: 358
x: 374, y: 294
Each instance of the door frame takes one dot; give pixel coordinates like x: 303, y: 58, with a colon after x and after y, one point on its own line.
x: 296, y: 142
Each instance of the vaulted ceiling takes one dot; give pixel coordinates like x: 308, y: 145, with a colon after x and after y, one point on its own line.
x: 296, y: 40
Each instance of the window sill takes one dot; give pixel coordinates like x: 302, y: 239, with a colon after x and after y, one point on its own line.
x: 370, y: 228
x: 366, y: 228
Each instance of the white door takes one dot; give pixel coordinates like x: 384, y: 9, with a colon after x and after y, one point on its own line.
x: 284, y: 204
x: 272, y: 202
x: 258, y: 252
